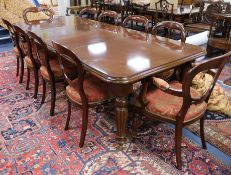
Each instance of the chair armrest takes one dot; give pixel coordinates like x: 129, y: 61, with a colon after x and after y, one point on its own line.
x: 160, y: 83
x: 210, y: 71
x: 166, y: 87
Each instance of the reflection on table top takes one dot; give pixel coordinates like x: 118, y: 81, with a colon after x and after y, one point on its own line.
x: 114, y: 53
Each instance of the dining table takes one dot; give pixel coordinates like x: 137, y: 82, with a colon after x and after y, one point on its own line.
x: 119, y: 56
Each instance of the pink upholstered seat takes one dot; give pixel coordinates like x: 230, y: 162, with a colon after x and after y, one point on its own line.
x: 168, y: 105
x: 94, y: 89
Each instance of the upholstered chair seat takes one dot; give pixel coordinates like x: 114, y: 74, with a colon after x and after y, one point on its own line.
x: 167, y: 105
x: 28, y: 62
x: 56, y: 69
x: 93, y: 87
x: 15, y: 50
x: 27, y: 58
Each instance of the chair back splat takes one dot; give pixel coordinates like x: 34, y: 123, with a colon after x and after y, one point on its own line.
x: 171, y: 27
x: 137, y: 19
x: 90, y: 12
x: 163, y: 7
x: 109, y: 14
x: 217, y: 64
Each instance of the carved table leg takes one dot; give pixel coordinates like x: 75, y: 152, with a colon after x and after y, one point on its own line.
x: 121, y: 117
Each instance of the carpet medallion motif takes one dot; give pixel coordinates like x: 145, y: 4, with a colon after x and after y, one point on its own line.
x: 32, y: 142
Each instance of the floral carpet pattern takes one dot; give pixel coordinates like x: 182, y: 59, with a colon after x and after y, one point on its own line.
x: 217, y: 131
x: 226, y: 74
x: 32, y: 142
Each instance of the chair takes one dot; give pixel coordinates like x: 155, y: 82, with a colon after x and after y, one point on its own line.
x: 47, y: 11
x: 28, y: 56
x: 163, y: 7
x: 139, y: 8
x: 137, y: 19
x: 110, y: 14
x: 12, y: 11
x: 90, y: 12
x: 196, y: 17
x: 95, y: 4
x: 169, y: 29
x: 83, y: 90
x: 219, y: 34
x: 203, y: 23
x: 172, y: 28
x: 178, y: 103
x: 228, y: 9
x: 49, y: 69
x: 13, y: 38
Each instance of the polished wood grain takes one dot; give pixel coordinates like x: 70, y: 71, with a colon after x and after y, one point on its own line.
x: 102, y: 46
x: 113, y: 55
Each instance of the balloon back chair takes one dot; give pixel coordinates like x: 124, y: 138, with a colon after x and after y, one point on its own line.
x: 137, y: 19
x: 83, y: 90
x: 13, y: 37
x: 90, y: 13
x: 27, y: 55
x: 50, y: 69
x: 169, y: 29
x: 109, y: 14
x: 178, y: 103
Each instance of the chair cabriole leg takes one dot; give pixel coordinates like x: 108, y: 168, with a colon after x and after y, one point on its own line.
x: 68, y: 115
x: 44, y: 91
x: 178, y: 138
x: 28, y: 79
x: 84, y: 126
x: 53, y: 98
x: 22, y: 70
x: 17, y: 71
x: 36, y: 83
x: 202, y: 133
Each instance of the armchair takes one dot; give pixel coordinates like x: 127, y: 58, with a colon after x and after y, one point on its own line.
x: 12, y: 11
x: 178, y: 103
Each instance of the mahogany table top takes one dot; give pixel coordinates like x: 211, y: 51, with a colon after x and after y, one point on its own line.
x: 113, y: 53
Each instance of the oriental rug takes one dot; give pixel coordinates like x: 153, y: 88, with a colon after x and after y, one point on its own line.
x: 226, y: 74
x: 32, y: 142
